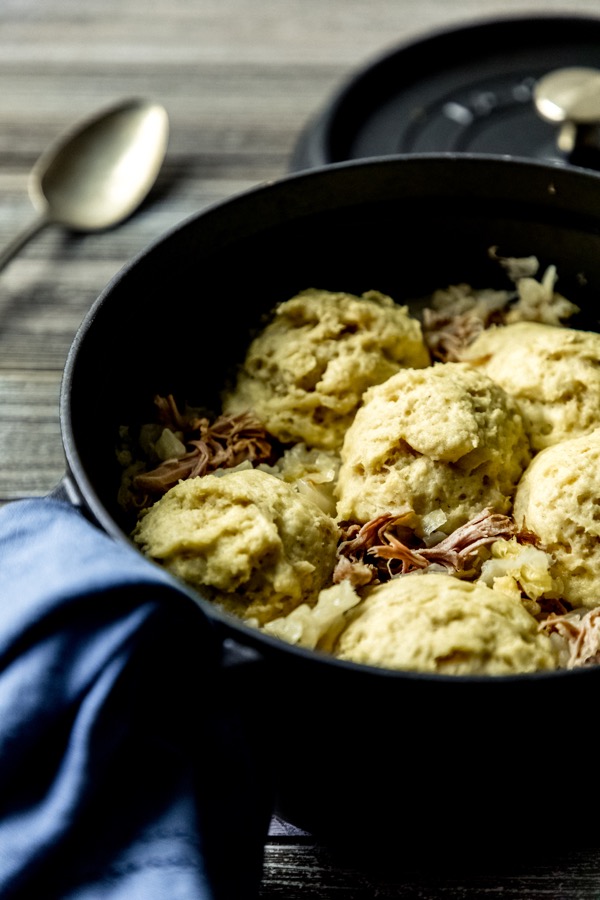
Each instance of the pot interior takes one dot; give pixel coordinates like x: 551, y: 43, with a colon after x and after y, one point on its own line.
x: 178, y: 319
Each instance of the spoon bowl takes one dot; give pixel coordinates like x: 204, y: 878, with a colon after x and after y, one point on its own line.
x: 96, y: 175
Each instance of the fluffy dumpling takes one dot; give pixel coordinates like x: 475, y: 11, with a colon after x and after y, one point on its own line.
x: 558, y: 499
x: 438, y: 623
x: 553, y: 373
x: 246, y: 538
x: 444, y: 438
x: 304, y: 375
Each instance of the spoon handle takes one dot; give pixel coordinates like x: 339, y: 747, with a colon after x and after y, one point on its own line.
x: 20, y: 240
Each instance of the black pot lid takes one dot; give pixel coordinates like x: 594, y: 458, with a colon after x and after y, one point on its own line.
x: 474, y: 89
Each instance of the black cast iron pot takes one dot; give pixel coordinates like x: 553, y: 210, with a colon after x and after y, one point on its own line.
x: 361, y: 756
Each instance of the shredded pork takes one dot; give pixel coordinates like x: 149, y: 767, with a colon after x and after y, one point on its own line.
x: 448, y: 332
x: 454, y: 317
x: 226, y: 442
x: 582, y: 636
x: 386, y: 547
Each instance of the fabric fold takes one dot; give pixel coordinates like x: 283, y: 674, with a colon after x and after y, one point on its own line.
x: 127, y: 765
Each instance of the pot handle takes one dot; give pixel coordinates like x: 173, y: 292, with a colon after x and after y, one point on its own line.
x: 570, y: 98
x: 65, y: 490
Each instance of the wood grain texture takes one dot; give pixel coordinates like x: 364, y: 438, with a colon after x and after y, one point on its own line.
x: 301, y: 870
x: 240, y: 79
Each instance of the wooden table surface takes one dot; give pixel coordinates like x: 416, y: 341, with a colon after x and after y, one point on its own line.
x: 239, y: 79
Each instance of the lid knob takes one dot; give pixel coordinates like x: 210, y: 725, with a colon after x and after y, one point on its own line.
x: 571, y: 98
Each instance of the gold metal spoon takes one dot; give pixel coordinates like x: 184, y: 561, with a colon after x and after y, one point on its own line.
x: 96, y: 175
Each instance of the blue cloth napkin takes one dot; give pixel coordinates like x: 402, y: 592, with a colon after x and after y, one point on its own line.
x: 127, y: 769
